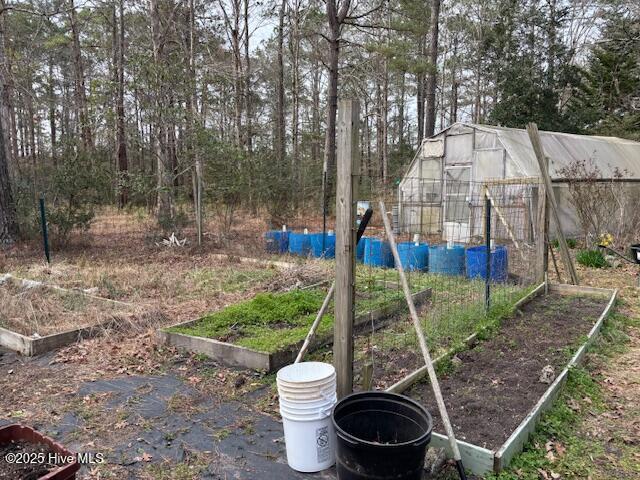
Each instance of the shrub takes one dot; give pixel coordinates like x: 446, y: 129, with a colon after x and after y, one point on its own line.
x: 72, y: 189
x: 591, y: 258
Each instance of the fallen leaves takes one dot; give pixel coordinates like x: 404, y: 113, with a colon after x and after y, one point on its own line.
x: 145, y: 457
x: 548, y: 475
x: 554, y: 450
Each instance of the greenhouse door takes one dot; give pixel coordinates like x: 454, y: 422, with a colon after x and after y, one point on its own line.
x: 457, y: 213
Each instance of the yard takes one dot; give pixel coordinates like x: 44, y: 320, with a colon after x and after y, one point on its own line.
x: 158, y: 412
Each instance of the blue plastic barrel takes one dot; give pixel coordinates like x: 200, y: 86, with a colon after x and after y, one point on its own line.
x: 360, y: 249
x: 412, y: 256
x: 329, y: 245
x: 299, y: 244
x: 477, y: 263
x: 447, y: 261
x: 276, y: 241
x: 377, y: 253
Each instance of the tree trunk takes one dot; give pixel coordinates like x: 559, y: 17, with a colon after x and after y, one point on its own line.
x: 453, y: 107
x: 247, y: 80
x: 420, y: 94
x: 401, y: 141
x: 385, y: 123
x: 8, y: 217
x: 165, y: 206
x: 7, y: 112
x: 315, y: 112
x: 335, y: 19
x: 121, y: 140
x: 294, y: 44
x: 52, y: 113
x: 78, y: 70
x: 430, y: 94
x: 280, y: 120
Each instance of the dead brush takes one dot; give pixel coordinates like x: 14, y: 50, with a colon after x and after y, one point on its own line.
x: 40, y: 310
x: 300, y: 276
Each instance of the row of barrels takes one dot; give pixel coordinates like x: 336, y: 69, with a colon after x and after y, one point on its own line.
x: 415, y: 256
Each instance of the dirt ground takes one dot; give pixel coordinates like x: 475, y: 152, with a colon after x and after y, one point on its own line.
x: 157, y: 413
x: 493, y: 386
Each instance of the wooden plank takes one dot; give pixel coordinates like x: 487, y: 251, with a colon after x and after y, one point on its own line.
x: 348, y: 168
x: 504, y: 221
x: 255, y: 261
x: 226, y: 353
x: 519, y: 437
x: 477, y: 459
x: 578, y: 289
x: 542, y: 226
x: 512, y: 181
x: 30, y: 346
x: 15, y: 341
x: 534, y: 136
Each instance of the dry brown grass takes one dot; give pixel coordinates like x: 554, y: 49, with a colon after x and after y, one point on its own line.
x: 42, y: 310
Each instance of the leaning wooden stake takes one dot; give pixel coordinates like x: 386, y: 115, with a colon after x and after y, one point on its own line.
x: 423, y: 344
x: 316, y: 322
x: 534, y: 136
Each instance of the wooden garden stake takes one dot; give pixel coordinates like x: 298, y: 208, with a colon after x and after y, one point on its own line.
x: 423, y: 344
x: 316, y: 322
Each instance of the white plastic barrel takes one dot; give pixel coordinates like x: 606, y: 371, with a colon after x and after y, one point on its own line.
x: 307, y: 392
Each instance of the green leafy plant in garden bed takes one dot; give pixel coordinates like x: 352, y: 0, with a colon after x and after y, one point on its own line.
x: 264, y: 310
x: 272, y: 321
x: 591, y: 258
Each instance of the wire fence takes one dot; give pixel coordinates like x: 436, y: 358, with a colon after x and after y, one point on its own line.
x: 443, y: 228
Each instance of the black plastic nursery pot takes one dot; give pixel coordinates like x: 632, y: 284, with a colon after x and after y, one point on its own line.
x: 635, y: 252
x: 20, y: 433
x: 381, y: 436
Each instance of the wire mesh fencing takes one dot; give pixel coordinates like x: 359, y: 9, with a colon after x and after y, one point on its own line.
x: 444, y: 229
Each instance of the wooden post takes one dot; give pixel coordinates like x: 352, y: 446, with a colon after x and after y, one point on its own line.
x: 534, y: 136
x: 542, y: 225
x: 348, y: 166
x: 487, y: 243
x: 199, y: 199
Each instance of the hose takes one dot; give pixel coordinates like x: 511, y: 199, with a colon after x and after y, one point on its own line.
x: 616, y: 253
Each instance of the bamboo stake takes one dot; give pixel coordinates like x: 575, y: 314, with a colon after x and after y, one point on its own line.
x: 423, y: 344
x: 316, y: 322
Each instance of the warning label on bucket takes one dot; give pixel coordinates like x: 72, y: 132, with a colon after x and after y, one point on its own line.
x: 322, y: 444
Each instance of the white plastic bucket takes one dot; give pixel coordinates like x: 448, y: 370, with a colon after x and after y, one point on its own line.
x: 298, y: 408
x: 305, y: 373
x: 307, y: 393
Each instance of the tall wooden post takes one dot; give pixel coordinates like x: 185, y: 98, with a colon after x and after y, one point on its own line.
x: 543, y: 163
x: 348, y: 166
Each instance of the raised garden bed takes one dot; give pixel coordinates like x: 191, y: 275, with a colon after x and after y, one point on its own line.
x: 36, y: 317
x: 497, y: 389
x: 266, y: 332
x: 36, y: 456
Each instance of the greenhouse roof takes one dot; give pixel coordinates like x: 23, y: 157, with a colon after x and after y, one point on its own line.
x: 609, y: 154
